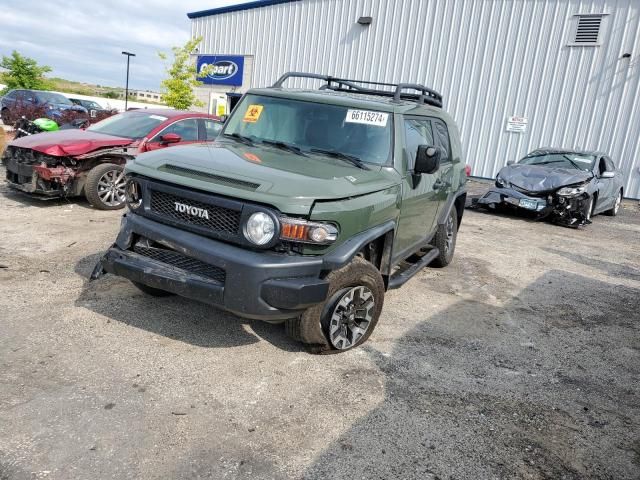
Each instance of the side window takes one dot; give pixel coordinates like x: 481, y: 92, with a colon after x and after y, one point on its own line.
x: 441, y: 134
x: 12, y: 95
x: 417, y: 132
x: 212, y: 129
x: 610, y: 166
x: 187, y: 129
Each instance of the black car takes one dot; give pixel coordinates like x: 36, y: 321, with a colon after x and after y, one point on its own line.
x: 54, y: 104
x: 569, y: 186
x: 94, y: 108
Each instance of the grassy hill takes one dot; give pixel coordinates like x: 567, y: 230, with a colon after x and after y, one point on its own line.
x: 69, y: 86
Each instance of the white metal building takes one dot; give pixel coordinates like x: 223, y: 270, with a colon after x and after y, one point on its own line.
x: 515, y: 74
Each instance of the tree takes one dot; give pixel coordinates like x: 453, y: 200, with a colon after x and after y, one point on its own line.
x: 177, y: 89
x: 24, y: 72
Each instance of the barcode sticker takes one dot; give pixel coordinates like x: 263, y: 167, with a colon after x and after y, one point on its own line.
x: 366, y: 117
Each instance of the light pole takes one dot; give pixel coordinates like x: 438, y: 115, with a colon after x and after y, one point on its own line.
x: 126, y: 88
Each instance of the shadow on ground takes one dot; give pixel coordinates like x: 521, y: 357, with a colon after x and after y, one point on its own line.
x: 174, y: 317
x: 28, y: 200
x: 539, y: 388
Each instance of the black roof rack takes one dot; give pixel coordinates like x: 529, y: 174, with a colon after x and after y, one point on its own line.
x: 425, y: 95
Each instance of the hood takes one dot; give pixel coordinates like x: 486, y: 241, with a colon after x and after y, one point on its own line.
x: 69, y: 142
x: 290, y: 182
x: 537, y: 178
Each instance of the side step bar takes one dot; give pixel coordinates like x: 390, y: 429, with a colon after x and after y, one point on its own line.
x: 402, y: 277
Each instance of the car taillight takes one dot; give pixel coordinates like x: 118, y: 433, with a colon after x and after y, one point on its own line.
x: 467, y: 170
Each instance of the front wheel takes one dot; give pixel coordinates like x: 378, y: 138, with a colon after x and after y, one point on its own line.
x: 105, y: 187
x: 349, y: 316
x: 616, y: 206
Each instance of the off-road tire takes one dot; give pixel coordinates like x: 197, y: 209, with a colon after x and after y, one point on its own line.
x: 445, y: 244
x: 614, y: 211
x: 154, y: 292
x: 311, y: 328
x: 91, y: 190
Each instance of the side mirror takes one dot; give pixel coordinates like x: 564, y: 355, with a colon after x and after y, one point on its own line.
x: 608, y: 174
x: 428, y: 159
x: 171, y: 138
x: 510, y: 162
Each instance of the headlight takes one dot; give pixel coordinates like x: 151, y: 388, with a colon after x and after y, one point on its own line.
x: 500, y: 181
x: 260, y: 228
x: 297, y: 230
x: 133, y: 194
x: 571, y: 191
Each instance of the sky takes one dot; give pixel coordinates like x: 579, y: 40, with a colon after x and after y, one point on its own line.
x: 83, y: 40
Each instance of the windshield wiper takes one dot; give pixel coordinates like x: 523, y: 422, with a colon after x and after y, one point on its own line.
x: 573, y: 163
x: 284, y: 146
x: 240, y: 138
x: 352, y: 159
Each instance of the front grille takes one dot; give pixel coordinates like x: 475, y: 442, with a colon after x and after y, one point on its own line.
x: 218, y: 219
x: 181, y: 261
x: 28, y: 156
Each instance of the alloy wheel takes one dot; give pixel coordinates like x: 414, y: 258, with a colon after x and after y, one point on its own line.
x: 111, y: 188
x: 590, y: 208
x: 616, y: 207
x: 449, y: 233
x: 351, y: 317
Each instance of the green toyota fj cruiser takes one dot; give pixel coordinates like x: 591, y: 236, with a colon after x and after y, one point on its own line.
x: 308, y: 207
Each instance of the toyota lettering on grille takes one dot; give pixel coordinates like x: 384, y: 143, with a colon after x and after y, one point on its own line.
x: 194, y: 211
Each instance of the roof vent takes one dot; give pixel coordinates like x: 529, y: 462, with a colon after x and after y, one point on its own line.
x: 588, y: 29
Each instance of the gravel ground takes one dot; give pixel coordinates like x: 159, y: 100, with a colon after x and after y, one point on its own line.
x: 519, y: 360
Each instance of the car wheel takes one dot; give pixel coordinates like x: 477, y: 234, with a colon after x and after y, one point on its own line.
x: 105, y: 187
x: 154, y: 292
x: 616, y: 206
x: 4, y: 116
x: 589, y: 210
x: 445, y: 240
x: 349, y: 316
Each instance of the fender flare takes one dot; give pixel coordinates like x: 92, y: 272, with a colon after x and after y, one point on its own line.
x: 350, y: 248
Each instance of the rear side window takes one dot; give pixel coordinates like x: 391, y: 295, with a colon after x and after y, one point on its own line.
x: 441, y: 133
x: 417, y: 132
x: 212, y: 129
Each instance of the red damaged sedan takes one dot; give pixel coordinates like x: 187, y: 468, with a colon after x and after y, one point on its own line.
x: 90, y: 162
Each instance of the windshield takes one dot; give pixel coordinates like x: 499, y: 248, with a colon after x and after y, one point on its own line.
x: 314, y: 128
x: 133, y: 125
x: 50, y: 97
x: 90, y: 104
x: 560, y: 160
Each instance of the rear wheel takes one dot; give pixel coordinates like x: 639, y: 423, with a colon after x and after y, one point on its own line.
x: 349, y: 316
x: 445, y: 240
x: 105, y: 187
x: 616, y: 206
x: 154, y: 292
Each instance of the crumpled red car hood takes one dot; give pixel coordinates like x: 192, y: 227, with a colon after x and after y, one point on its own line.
x: 69, y: 142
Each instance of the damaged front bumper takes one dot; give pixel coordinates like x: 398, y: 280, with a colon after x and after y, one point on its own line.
x: 252, y: 284
x: 26, y: 171
x: 567, y: 210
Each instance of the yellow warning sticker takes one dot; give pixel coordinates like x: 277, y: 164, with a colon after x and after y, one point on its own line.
x: 253, y: 113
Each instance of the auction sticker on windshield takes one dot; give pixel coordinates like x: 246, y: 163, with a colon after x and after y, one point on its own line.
x: 253, y: 113
x: 366, y: 117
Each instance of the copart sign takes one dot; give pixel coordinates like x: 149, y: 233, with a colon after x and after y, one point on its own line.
x: 221, y: 69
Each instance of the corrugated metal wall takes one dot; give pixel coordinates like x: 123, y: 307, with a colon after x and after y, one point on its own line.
x: 490, y: 58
